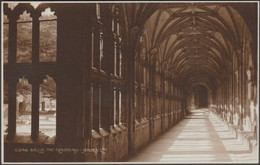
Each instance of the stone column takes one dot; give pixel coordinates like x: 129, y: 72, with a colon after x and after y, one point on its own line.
x: 117, y: 106
x: 108, y: 36
x: 74, y: 51
x: 96, y: 105
x: 35, y: 38
x: 162, y: 101
x: 12, y: 82
x: 130, y: 50
x: 35, y: 81
x: 12, y: 43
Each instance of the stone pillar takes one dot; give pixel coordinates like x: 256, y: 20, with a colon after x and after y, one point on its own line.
x: 162, y: 101
x: 74, y: 50
x: 151, y: 99
x: 35, y: 81
x: 130, y: 52
x: 12, y: 107
x: 117, y: 106
x: 96, y: 105
x: 12, y: 80
x: 107, y: 107
x: 12, y: 44
x: 35, y: 38
x: 112, y: 121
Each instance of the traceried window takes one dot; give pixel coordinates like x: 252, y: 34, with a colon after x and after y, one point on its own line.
x: 24, y: 121
x: 98, y: 46
x: 24, y: 38
x: 47, y: 108
x: 106, y: 97
x: 97, y: 42
x: 24, y: 104
x: 48, y: 36
x: 117, y: 43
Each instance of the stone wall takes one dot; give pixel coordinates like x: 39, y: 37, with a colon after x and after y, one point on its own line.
x: 142, y: 133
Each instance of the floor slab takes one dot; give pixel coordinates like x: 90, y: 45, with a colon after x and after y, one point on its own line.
x: 199, y: 138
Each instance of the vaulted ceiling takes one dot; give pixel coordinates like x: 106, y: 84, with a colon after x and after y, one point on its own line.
x: 196, y: 42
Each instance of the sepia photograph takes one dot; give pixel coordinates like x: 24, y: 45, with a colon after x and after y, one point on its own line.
x: 129, y: 82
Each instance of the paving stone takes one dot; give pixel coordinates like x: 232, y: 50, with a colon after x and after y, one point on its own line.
x: 200, y: 137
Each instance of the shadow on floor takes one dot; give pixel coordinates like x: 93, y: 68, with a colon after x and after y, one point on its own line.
x: 199, y: 137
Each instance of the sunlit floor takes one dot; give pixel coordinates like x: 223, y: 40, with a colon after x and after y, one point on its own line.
x: 198, y: 138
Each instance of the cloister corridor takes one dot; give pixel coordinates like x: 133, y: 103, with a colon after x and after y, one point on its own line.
x: 199, y: 138
x: 130, y: 82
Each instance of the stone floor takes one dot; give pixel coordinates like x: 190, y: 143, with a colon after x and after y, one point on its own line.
x: 199, y: 138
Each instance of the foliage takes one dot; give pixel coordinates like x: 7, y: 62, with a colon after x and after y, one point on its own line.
x: 24, y: 88
x: 48, y: 88
x: 24, y: 42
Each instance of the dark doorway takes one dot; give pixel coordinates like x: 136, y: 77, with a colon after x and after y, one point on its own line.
x: 201, y: 93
